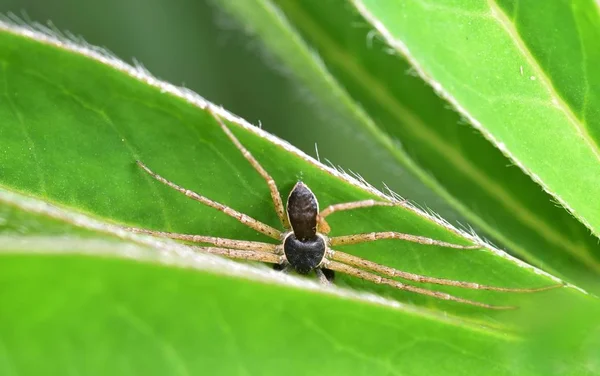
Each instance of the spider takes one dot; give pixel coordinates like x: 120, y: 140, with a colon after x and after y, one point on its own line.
x: 304, y: 245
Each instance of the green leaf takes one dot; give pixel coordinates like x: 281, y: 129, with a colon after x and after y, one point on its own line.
x: 81, y: 294
x: 341, y: 121
x: 121, y: 305
x: 528, y: 84
x: 457, y: 164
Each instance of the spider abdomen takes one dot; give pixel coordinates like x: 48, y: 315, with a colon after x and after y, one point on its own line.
x: 304, y: 256
x: 302, y: 210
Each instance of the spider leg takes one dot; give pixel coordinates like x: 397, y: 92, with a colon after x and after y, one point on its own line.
x: 283, y: 267
x: 240, y: 254
x: 322, y: 277
x: 343, y: 268
x: 322, y: 223
x: 279, y: 208
x: 329, y: 274
x: 219, y: 242
x: 353, y: 205
x: 372, y: 236
x: 391, y: 272
x: 243, y: 218
x: 361, y: 238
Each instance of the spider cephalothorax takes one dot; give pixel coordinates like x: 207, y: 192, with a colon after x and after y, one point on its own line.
x: 305, y: 246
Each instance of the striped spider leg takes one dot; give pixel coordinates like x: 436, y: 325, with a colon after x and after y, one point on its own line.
x: 303, y: 244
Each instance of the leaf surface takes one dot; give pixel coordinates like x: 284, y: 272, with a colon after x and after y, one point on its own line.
x: 83, y: 295
x: 527, y: 85
x: 353, y: 71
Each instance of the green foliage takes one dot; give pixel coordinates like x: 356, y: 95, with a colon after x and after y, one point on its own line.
x: 455, y: 162
x: 80, y: 294
x: 529, y: 87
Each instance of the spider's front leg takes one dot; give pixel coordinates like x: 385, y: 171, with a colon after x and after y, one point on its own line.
x: 325, y: 276
x: 283, y: 267
x: 377, y: 279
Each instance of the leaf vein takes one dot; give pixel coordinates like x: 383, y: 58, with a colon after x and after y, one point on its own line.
x: 556, y: 99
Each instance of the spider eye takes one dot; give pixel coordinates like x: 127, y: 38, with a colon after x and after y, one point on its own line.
x: 302, y: 210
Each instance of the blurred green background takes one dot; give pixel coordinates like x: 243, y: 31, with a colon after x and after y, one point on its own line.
x: 195, y: 44
x: 185, y: 42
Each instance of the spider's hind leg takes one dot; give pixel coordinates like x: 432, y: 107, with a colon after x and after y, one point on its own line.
x: 243, y: 218
x: 275, y: 195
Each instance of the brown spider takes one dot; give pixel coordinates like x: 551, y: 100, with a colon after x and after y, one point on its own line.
x: 305, y: 246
